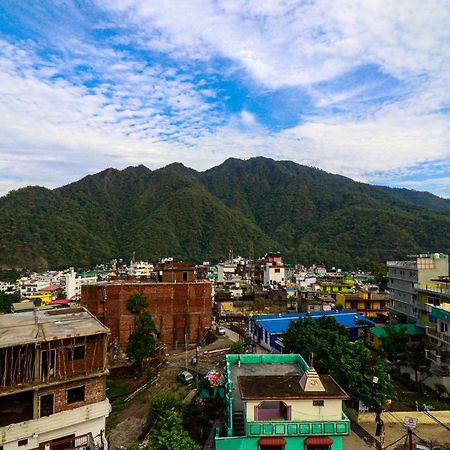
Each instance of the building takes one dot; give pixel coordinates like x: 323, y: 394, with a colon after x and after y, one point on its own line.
x: 53, y: 370
x: 404, y: 279
x: 268, y: 330
x: 179, y: 303
x: 277, y: 402
x: 336, y: 282
x: 368, y: 303
x: 439, y: 335
x: 73, y: 281
x: 377, y: 334
x: 274, y: 272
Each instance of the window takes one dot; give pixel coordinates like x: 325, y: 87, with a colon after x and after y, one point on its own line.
x: 48, y: 364
x: 22, y: 442
x: 277, y: 270
x: 75, y: 395
x: 46, y: 405
x: 317, y: 402
x: 185, y: 276
x: 77, y: 352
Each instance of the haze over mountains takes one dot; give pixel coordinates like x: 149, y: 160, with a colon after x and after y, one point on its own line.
x: 254, y: 205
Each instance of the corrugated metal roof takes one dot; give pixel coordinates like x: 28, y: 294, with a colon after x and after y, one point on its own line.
x: 279, y: 323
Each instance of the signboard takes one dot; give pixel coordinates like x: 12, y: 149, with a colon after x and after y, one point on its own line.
x: 410, y: 422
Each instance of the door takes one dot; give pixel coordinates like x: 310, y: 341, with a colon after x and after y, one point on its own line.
x: 48, y: 364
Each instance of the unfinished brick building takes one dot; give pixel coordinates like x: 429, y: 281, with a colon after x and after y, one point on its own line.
x: 53, y: 369
x: 179, y: 303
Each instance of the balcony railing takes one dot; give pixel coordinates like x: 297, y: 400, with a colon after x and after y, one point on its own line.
x: 292, y: 428
x: 438, y: 335
x: 81, y: 442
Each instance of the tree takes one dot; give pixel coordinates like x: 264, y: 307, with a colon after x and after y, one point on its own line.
x: 159, y: 405
x: 379, y: 271
x: 394, y: 342
x: 415, y: 358
x: 142, y: 343
x: 6, y: 300
x: 237, y: 347
x: 136, y: 303
x: 351, y: 364
x: 170, y: 434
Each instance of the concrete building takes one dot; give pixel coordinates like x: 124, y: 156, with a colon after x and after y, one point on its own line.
x: 53, y: 371
x: 273, y: 266
x: 277, y: 402
x: 368, y: 303
x: 404, y: 280
x: 73, y: 281
x: 439, y: 335
x: 180, y: 304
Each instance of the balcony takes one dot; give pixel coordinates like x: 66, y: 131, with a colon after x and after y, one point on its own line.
x: 82, y: 442
x: 291, y: 428
x: 438, y: 335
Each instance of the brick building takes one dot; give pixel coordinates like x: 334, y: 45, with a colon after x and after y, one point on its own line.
x: 53, y: 370
x: 179, y: 303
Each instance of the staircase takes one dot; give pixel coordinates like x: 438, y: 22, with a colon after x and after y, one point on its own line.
x: 238, y: 424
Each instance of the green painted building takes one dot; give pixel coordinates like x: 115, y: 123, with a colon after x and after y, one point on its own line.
x: 278, y: 402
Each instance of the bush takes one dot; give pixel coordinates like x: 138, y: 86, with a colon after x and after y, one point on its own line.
x: 159, y: 405
x: 440, y: 389
x: 237, y: 347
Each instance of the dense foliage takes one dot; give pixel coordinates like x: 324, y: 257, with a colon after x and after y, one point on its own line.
x: 6, y: 300
x: 324, y: 342
x: 170, y: 434
x: 258, y: 204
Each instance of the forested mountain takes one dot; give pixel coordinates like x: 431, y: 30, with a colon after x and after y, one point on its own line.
x: 256, y: 205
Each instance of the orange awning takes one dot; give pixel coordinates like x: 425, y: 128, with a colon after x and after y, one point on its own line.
x: 275, y: 441
x: 318, y: 440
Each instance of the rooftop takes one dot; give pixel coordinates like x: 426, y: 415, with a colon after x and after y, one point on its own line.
x: 286, y: 386
x: 279, y: 323
x: 46, y: 325
x: 410, y: 330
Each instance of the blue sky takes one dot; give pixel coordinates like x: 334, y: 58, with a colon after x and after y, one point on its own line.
x: 355, y: 88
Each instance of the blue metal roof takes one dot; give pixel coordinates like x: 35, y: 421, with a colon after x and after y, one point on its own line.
x: 279, y: 323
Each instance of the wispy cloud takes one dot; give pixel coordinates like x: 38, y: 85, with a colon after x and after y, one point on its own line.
x: 357, y: 88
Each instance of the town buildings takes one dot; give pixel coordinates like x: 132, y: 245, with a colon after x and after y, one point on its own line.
x: 277, y: 402
x: 179, y: 303
x: 53, y: 371
x: 405, y: 277
x: 367, y: 302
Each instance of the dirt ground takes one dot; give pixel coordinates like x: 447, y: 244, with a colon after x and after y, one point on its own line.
x: 128, y: 424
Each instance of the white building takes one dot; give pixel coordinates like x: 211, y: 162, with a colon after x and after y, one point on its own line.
x: 274, y: 272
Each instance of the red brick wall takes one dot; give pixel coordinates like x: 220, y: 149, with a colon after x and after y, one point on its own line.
x: 176, y: 308
x: 94, y: 391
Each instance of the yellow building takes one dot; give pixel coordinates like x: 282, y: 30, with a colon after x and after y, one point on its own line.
x: 333, y: 285
x: 368, y: 303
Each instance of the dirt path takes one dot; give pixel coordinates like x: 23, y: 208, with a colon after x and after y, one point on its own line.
x: 131, y: 420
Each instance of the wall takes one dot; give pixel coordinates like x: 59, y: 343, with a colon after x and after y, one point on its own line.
x: 82, y: 420
x: 251, y: 443
x: 303, y: 410
x: 176, y: 308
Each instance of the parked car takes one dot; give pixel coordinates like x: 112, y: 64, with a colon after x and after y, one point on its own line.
x: 185, y: 377
x: 221, y: 330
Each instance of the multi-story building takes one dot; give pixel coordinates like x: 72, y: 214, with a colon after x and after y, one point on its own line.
x: 179, y: 302
x: 336, y: 282
x: 404, y: 279
x: 53, y: 371
x: 277, y: 402
x: 73, y: 281
x: 368, y: 303
x: 439, y: 335
x: 273, y: 266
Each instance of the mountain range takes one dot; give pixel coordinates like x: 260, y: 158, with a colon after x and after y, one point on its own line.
x: 250, y: 206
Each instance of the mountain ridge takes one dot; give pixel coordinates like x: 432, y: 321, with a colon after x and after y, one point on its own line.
x: 308, y: 214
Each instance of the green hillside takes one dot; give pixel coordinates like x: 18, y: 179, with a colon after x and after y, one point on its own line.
x: 306, y: 213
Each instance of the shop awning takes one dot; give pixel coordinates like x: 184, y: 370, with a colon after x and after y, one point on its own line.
x: 274, y: 441
x: 318, y: 440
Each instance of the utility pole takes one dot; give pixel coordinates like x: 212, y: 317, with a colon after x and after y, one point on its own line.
x: 410, y: 440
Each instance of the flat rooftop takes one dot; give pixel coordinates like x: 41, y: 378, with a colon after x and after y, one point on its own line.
x: 46, y: 325
x: 285, y: 386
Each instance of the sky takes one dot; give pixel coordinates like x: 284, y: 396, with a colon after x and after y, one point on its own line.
x: 358, y: 88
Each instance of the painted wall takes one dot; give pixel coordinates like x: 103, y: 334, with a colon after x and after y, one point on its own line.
x: 303, y: 410
x: 251, y: 443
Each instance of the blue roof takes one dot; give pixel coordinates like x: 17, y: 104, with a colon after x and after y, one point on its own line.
x: 279, y: 323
